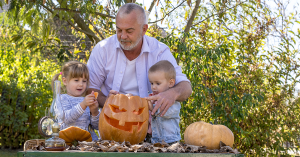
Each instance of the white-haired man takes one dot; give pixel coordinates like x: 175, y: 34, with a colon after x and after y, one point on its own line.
x: 121, y: 62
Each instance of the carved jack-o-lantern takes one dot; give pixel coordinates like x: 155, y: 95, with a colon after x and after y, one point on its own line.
x: 124, y: 118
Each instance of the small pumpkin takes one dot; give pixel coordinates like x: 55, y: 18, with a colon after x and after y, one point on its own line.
x: 205, y: 134
x: 73, y: 134
x: 124, y: 118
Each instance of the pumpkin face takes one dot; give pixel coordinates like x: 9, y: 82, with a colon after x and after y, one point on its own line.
x: 124, y: 118
x: 73, y: 134
x: 205, y: 134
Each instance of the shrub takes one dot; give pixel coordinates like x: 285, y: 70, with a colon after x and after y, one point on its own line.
x: 25, y: 90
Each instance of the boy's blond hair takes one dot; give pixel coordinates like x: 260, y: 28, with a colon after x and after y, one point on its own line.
x: 166, y: 67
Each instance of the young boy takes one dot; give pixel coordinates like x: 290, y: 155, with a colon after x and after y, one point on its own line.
x: 162, y: 77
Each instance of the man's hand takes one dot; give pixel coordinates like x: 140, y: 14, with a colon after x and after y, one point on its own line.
x: 164, y: 101
x: 112, y: 92
x: 150, y: 105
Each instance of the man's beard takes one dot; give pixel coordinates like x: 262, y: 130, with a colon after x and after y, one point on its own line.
x: 132, y: 45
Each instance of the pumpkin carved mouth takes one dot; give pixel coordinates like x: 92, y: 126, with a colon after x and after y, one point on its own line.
x: 129, y: 126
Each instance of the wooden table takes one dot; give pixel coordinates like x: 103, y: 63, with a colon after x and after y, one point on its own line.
x: 76, y: 153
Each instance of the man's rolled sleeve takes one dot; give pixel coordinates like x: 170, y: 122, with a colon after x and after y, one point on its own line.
x: 96, y: 64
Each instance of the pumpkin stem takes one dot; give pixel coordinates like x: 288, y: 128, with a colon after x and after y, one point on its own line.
x: 74, y: 143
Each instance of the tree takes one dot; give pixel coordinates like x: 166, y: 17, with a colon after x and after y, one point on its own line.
x: 222, y: 46
x: 25, y: 88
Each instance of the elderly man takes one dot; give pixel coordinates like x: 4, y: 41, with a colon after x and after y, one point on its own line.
x: 121, y: 62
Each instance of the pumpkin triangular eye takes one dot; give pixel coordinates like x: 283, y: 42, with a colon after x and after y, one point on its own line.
x: 116, y: 109
x: 128, y: 126
x: 140, y: 111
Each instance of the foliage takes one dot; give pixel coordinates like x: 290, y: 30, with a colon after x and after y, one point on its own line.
x: 238, y: 83
x: 25, y: 90
x: 36, y: 13
x: 238, y: 78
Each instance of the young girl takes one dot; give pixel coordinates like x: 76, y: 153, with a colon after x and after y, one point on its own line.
x: 78, y: 110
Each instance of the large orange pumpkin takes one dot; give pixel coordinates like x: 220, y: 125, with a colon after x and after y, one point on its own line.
x: 73, y: 134
x: 205, y: 134
x: 124, y: 118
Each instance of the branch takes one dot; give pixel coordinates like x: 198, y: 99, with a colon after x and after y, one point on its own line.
x: 168, y: 13
x: 72, y: 24
x: 151, y: 6
x: 190, y: 22
x: 96, y: 29
x: 84, y: 28
x: 130, y: 1
x: 83, y: 31
x: 79, y: 12
x: 218, y: 13
x: 47, y: 9
x: 226, y: 26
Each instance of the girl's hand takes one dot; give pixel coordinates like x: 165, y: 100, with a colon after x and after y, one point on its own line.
x: 94, y: 109
x: 89, y: 100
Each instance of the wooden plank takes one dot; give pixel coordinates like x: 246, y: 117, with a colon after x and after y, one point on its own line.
x: 117, y: 154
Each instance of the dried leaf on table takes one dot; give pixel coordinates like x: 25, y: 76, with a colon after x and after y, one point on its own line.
x: 159, y: 149
x: 192, y: 149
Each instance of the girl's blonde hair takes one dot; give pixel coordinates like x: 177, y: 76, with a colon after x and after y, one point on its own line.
x: 72, y: 69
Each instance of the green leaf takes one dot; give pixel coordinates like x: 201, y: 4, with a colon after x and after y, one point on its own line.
x: 83, y: 46
x: 30, y: 44
x: 15, y: 38
x: 77, y: 51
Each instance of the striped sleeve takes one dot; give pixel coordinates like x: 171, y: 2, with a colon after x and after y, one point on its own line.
x: 72, y: 113
x: 95, y: 120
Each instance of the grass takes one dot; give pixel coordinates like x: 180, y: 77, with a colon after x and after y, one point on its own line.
x: 9, y: 152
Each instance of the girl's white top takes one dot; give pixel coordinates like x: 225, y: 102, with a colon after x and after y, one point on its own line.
x: 76, y: 116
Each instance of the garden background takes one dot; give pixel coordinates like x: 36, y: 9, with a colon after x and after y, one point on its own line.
x: 241, y: 57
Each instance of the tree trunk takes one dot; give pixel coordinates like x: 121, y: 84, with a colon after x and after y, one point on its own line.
x: 190, y: 22
x: 130, y: 1
x: 151, y: 6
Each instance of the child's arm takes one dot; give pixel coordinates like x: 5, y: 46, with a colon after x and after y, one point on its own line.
x: 89, y: 100
x: 95, y: 119
x: 72, y: 113
x: 94, y: 111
